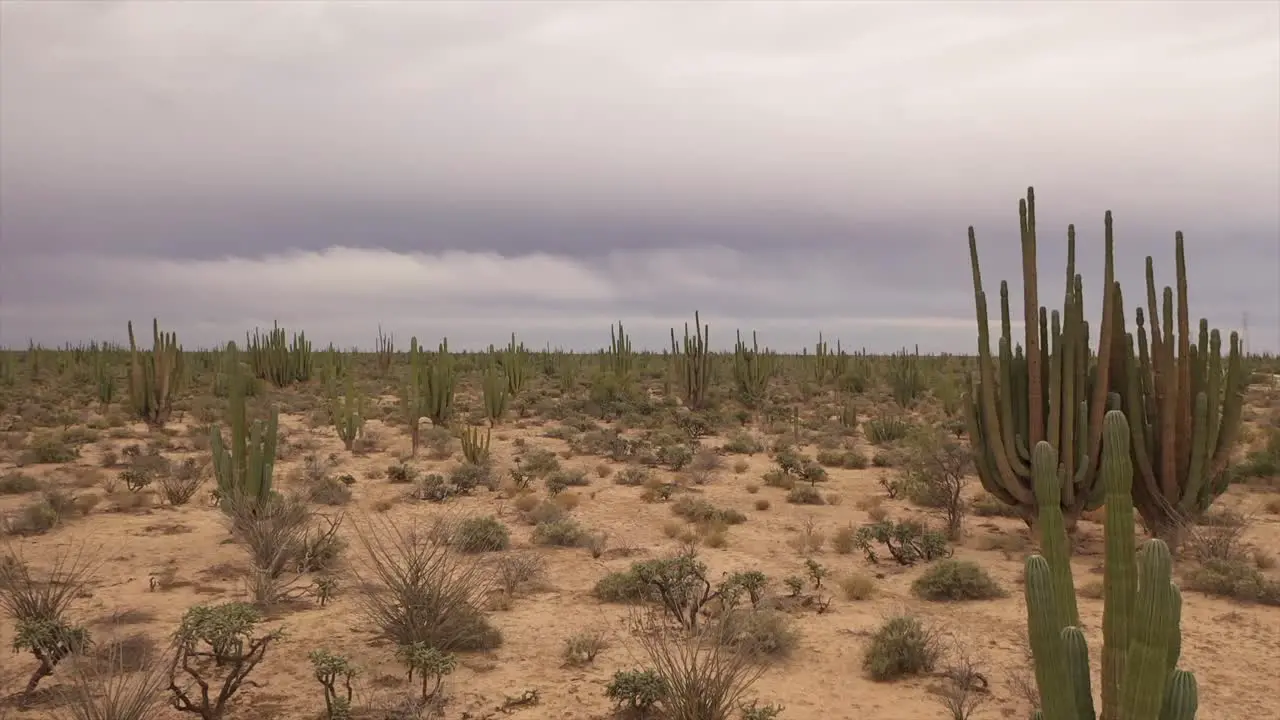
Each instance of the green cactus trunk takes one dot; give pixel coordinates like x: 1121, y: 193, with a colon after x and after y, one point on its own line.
x: 154, y: 376
x: 244, y: 468
x: 692, y: 363
x: 752, y: 370
x: 1141, y: 630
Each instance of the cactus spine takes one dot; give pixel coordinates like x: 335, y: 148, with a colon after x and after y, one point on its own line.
x: 243, y: 469
x: 1184, y: 411
x: 1045, y: 389
x: 1141, y: 634
x: 692, y: 363
x: 752, y: 370
x: 154, y: 376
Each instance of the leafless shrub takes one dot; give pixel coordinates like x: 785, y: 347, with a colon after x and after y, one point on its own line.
x: 966, y: 687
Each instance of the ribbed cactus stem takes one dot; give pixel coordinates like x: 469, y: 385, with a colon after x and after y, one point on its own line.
x: 1185, y: 410
x: 692, y: 363
x: 244, y: 468
x: 1044, y: 388
x: 1141, y: 630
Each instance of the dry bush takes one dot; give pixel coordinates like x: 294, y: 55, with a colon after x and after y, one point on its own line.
x: 966, y: 688
x: 38, y: 607
x: 417, y: 588
x: 116, y: 686
x: 704, y: 674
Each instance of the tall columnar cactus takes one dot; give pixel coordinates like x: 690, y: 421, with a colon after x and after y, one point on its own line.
x: 1184, y: 410
x: 826, y: 365
x: 438, y: 382
x: 412, y: 396
x: 346, y: 411
x: 154, y: 376
x: 385, y: 350
x: 692, y: 363
x: 493, y: 387
x: 1045, y: 389
x: 905, y: 379
x: 1141, y: 635
x: 277, y: 359
x: 244, y: 468
x: 752, y: 370
x: 513, y: 366
x: 619, y: 359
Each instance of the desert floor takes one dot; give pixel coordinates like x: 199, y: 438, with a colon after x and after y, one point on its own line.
x: 155, y: 561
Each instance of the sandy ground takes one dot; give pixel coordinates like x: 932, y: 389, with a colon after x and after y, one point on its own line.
x: 1233, y: 648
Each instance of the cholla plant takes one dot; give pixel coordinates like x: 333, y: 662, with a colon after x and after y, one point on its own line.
x: 329, y: 670
x: 1141, y: 634
x: 216, y: 649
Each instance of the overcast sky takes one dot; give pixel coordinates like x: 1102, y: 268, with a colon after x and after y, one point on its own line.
x: 476, y: 168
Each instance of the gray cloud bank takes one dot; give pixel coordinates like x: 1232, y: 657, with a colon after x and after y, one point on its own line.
x: 468, y: 169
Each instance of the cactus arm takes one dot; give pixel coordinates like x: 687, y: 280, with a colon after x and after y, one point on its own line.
x: 1185, y: 400
x: 1120, y: 579
x: 1053, y: 533
x: 1031, y: 318
x: 1199, y: 449
x: 1147, y: 668
x: 1076, y: 650
x: 1181, y: 697
x: 1057, y: 698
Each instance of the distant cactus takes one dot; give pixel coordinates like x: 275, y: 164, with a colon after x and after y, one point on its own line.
x: 1184, y: 408
x: 244, y: 468
x: 346, y: 411
x: 619, y: 358
x: 493, y: 386
x: 278, y: 360
x: 513, y: 366
x: 154, y: 376
x: 1045, y: 389
x: 692, y: 363
x: 1141, y: 633
x: 753, y: 368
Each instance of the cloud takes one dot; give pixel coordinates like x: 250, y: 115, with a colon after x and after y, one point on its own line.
x: 470, y: 168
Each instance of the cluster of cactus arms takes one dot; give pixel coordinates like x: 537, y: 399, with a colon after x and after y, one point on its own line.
x: 335, y: 362
x: 346, y: 411
x: 385, y: 348
x: 692, y: 363
x: 154, y: 376
x: 620, y: 359
x: 1141, y: 633
x: 1044, y: 389
x: 475, y: 449
x: 244, y: 468
x: 493, y: 388
x: 827, y: 365
x: 277, y: 359
x: 105, y: 378
x: 513, y: 366
x: 437, y: 378
x: 1184, y: 411
x: 752, y: 370
x: 905, y: 379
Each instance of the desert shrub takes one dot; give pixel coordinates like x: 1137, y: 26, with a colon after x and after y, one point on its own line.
x: 703, y: 674
x: 416, y: 587
x: 565, y: 532
x: 17, y: 483
x: 581, y: 648
x: 902, y: 646
x: 180, y: 485
x: 481, y: 534
x: 697, y: 510
x: 956, y: 580
x: 216, y: 648
x: 908, y: 542
x: 632, y: 476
